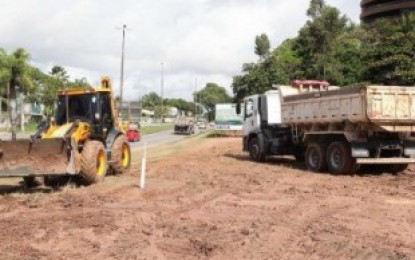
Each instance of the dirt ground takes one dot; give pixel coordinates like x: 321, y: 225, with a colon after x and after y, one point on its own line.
x: 210, y: 201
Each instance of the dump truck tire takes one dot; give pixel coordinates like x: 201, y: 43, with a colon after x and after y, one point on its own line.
x: 94, y: 162
x: 315, y: 157
x: 120, y: 155
x: 33, y: 182
x: 255, y: 152
x: 339, y: 158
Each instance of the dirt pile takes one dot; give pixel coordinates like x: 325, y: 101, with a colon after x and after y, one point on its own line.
x: 212, y: 202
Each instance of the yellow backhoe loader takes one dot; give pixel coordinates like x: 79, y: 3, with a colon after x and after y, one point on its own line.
x: 84, y: 138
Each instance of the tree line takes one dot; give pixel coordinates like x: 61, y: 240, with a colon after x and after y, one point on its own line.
x: 204, y: 101
x: 18, y: 76
x: 331, y: 47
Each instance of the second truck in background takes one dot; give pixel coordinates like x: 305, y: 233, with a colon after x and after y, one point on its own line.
x: 184, y: 124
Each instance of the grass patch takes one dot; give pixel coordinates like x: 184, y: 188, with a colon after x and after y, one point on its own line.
x: 159, y: 153
x: 31, y: 127
x: 145, y: 130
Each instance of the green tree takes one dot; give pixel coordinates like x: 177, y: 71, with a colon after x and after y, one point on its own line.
x: 326, y: 48
x: 158, y: 110
x: 178, y: 103
x: 58, y: 79
x: 280, y: 67
x: 60, y: 73
x: 211, y: 95
x: 255, y: 79
x: 316, y: 39
x: 388, y: 51
x: 407, y: 22
x: 151, y: 100
x: 15, y: 77
x: 39, y: 80
x: 262, y: 46
x: 316, y: 8
x: 5, y: 72
x: 283, y: 63
x: 344, y: 64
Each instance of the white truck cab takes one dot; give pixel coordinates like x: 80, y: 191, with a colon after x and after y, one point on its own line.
x: 263, y: 132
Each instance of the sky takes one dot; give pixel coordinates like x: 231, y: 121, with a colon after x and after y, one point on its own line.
x: 198, y: 41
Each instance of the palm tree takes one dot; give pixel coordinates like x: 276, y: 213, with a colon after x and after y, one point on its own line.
x: 4, y: 76
x: 14, y: 76
x: 4, y: 72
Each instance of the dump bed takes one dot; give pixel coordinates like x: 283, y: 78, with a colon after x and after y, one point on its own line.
x: 183, y: 121
x: 389, y: 107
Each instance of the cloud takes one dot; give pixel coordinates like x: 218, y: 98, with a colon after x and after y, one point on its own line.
x: 204, y: 39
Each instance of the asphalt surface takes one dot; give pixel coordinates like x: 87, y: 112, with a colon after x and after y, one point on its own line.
x: 156, y: 139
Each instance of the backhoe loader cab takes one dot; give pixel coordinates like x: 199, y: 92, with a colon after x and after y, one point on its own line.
x: 84, y: 138
x: 92, y: 108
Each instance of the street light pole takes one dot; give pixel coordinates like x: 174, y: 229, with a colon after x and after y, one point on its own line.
x: 195, y: 98
x: 162, y: 90
x: 124, y: 27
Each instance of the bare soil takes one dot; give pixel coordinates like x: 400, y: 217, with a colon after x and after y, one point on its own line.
x: 210, y: 201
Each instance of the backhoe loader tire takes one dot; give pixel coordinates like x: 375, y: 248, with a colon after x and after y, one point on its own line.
x: 94, y: 162
x: 33, y: 182
x: 120, y: 155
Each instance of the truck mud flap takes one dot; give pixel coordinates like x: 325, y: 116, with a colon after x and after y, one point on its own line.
x: 41, y: 157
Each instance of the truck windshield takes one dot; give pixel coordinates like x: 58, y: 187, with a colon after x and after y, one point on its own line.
x: 80, y: 107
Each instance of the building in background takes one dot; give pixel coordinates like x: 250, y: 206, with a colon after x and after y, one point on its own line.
x: 27, y: 112
x: 372, y: 9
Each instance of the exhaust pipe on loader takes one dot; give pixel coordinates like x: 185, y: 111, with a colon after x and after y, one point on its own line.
x: 36, y: 157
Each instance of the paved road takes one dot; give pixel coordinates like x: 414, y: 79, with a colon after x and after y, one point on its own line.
x: 156, y: 139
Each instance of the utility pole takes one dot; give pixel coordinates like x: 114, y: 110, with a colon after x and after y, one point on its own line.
x: 124, y: 27
x: 195, y: 98
x: 162, y: 94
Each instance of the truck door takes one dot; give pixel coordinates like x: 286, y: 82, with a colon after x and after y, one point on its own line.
x: 251, y: 115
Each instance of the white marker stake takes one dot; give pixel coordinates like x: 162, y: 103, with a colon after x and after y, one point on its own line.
x: 143, y: 167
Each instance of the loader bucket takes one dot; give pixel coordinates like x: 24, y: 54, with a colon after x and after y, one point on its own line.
x: 40, y: 157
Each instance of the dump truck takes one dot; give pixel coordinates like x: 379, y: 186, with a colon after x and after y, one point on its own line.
x: 332, y: 128
x: 84, y: 138
x: 184, y: 124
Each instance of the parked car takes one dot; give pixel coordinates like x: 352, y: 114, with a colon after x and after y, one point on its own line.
x: 133, y: 135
